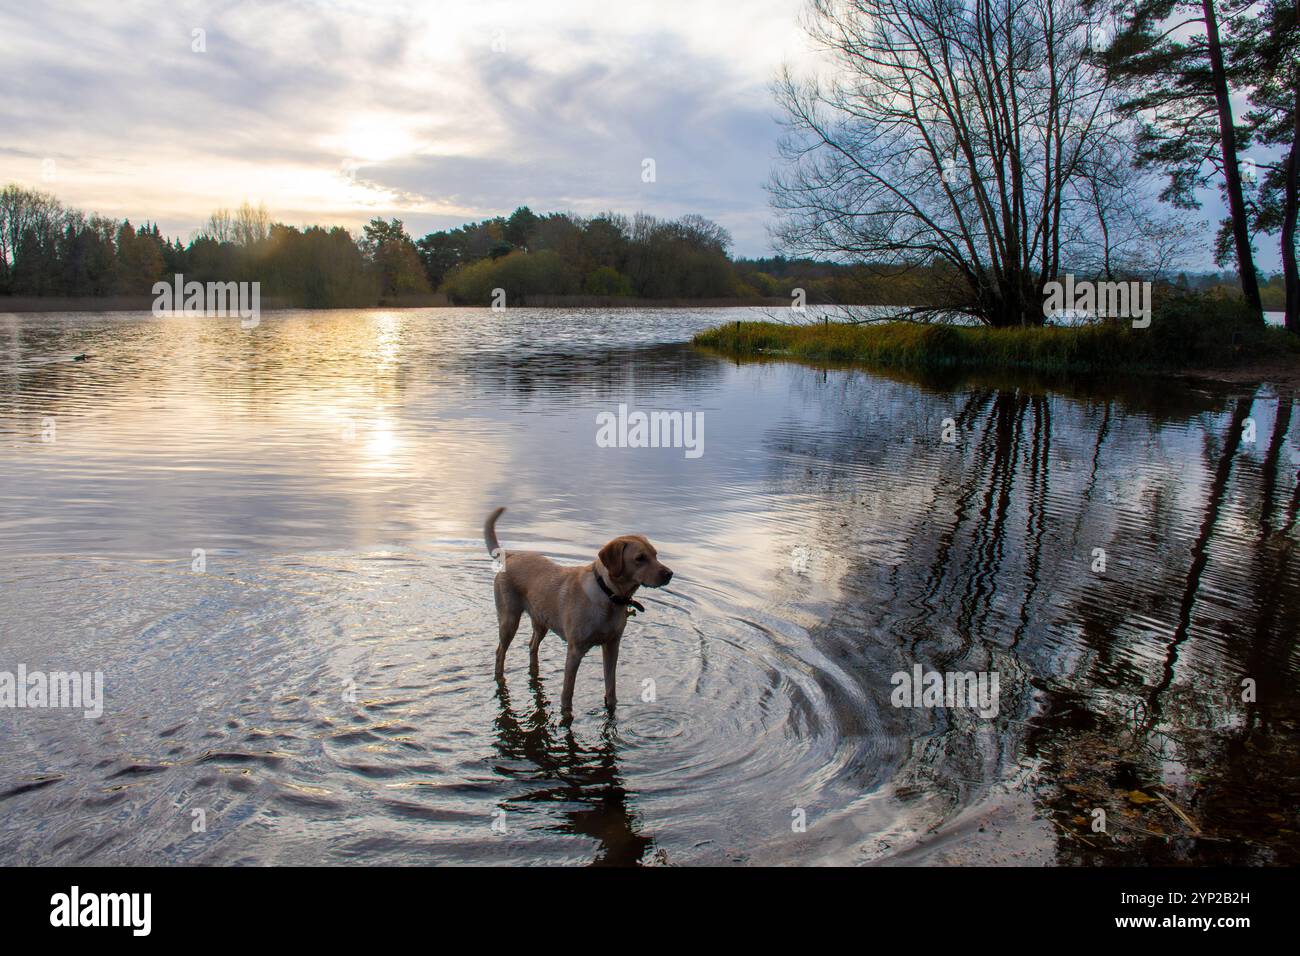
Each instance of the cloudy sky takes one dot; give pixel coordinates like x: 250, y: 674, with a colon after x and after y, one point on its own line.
x: 437, y: 112
x: 335, y: 111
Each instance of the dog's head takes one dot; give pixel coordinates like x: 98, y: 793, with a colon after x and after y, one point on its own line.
x: 631, y: 558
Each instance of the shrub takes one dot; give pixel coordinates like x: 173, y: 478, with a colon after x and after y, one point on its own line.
x: 607, y: 281
x: 520, y: 274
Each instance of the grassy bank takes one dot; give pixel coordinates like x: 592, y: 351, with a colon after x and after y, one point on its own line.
x: 1186, y: 333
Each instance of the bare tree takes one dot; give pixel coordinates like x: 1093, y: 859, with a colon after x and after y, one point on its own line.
x: 251, y: 225
x: 219, y: 227
x: 21, y: 210
x: 1130, y: 240
x: 963, y: 134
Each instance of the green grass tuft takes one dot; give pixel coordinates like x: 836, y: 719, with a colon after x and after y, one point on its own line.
x: 1186, y: 332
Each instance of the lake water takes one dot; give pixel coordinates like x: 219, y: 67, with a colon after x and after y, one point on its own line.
x: 269, y: 543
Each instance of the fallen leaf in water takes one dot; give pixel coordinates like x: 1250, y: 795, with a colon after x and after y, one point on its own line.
x: 1140, y: 798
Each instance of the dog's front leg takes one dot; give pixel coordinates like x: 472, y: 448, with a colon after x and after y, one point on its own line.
x: 571, y: 662
x: 609, y: 656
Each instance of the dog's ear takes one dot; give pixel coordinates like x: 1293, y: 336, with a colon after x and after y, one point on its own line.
x: 611, y: 556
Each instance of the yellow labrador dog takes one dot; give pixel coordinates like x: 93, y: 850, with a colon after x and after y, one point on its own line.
x: 587, y: 605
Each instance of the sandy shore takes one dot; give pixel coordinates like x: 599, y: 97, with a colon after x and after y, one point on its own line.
x: 1283, y: 373
x: 1001, y: 831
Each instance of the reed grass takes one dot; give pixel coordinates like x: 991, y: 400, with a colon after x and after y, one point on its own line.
x: 1183, y: 335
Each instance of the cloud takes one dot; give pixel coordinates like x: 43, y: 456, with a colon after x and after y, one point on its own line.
x: 436, y: 114
x: 578, y: 137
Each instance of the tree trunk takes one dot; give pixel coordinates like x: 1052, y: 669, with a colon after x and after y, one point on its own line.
x: 1231, y: 173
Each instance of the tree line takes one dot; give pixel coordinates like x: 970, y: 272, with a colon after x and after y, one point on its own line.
x: 49, y: 249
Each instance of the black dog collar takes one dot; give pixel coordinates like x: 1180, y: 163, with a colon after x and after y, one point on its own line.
x: 627, y: 602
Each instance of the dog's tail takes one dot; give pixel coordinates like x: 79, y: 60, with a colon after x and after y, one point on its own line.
x: 490, y: 532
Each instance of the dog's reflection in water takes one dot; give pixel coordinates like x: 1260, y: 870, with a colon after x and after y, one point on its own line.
x: 569, y: 772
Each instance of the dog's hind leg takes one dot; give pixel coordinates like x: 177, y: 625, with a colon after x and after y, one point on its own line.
x: 539, y: 632
x: 509, y: 624
x: 509, y: 610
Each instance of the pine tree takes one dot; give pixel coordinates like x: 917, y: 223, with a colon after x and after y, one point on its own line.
x: 1178, y: 80
x: 1267, y: 50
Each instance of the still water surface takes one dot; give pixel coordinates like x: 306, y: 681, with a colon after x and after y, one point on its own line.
x: 322, y: 690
